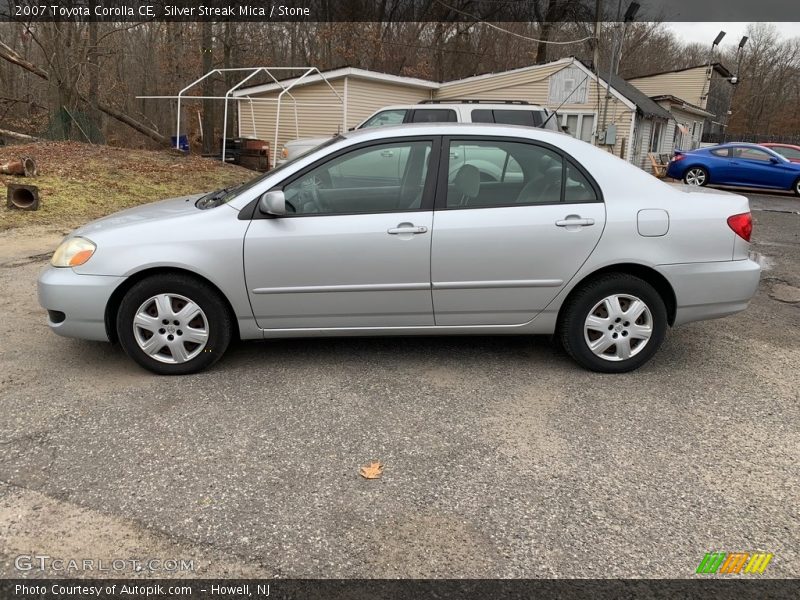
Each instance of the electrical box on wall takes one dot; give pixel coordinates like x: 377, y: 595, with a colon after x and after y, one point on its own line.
x: 609, y: 136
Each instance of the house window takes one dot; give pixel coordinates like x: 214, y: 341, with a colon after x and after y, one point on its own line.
x: 579, y: 125
x: 655, y: 136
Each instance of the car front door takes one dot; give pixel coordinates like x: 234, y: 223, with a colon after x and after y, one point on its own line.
x: 503, y: 249
x: 761, y: 169
x: 354, y: 250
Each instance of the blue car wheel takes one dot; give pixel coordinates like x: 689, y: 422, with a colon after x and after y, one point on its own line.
x: 696, y: 176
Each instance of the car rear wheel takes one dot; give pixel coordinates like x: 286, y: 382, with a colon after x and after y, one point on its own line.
x: 613, y: 324
x: 696, y: 176
x: 797, y: 187
x: 173, y: 324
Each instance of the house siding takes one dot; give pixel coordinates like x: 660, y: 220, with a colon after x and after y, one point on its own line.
x: 689, y: 85
x: 534, y: 86
x: 313, y: 121
x: 365, y: 97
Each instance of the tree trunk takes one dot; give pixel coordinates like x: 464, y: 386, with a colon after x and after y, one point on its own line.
x: 7, y: 53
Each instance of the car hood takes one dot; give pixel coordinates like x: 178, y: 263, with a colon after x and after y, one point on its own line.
x: 164, y: 209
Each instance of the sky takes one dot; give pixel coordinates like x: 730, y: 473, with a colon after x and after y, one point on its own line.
x: 705, y: 32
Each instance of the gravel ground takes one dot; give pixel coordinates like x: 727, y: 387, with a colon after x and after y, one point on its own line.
x: 502, y: 458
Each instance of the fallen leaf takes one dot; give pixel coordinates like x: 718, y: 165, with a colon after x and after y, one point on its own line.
x: 371, y: 471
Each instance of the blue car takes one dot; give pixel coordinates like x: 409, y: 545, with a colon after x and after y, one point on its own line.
x: 744, y: 165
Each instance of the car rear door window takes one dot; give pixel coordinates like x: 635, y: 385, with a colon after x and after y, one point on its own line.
x: 433, y: 115
x: 484, y: 174
x: 482, y: 115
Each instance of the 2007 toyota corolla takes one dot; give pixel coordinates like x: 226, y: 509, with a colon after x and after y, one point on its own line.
x: 421, y: 229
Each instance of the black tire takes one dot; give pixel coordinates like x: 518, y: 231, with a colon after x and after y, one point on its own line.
x: 687, y: 177
x: 217, y: 323
x: 797, y: 187
x: 587, y: 297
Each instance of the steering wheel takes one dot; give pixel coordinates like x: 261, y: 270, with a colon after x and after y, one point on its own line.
x: 309, y: 195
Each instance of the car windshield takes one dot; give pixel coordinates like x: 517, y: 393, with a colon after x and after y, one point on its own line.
x: 225, y: 195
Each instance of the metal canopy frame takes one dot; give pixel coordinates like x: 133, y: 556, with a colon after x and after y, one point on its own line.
x: 249, y: 73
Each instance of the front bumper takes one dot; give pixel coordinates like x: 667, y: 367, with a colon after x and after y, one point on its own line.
x: 712, y: 289
x: 76, y: 304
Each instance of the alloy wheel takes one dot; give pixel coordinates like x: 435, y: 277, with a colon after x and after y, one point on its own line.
x: 618, y: 327
x: 170, y: 328
x: 696, y: 177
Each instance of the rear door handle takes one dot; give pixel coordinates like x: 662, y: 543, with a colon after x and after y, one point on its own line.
x: 407, y: 228
x: 574, y: 222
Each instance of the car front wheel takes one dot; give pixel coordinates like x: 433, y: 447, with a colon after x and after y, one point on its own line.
x: 613, y: 324
x: 797, y: 187
x: 173, y: 324
x: 696, y: 176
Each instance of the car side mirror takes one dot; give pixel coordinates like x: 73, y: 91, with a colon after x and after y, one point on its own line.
x: 773, y: 160
x: 273, y: 203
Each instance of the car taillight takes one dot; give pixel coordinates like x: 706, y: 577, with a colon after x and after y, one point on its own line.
x: 742, y: 225
x: 678, y: 157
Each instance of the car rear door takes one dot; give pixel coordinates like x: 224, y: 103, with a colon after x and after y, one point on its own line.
x: 355, y: 252
x: 503, y: 249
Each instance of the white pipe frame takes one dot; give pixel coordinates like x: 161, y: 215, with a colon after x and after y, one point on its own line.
x: 253, y: 71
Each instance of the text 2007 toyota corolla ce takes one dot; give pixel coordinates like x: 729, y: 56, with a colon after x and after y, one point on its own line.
x: 412, y: 230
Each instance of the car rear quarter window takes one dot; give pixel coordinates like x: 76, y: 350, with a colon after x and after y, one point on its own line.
x: 515, y: 117
x: 721, y: 152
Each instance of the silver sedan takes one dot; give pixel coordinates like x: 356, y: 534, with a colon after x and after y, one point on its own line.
x: 412, y: 230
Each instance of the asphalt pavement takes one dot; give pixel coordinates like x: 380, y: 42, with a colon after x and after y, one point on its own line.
x: 502, y: 457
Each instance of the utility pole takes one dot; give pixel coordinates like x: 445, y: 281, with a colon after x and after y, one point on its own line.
x: 596, y: 41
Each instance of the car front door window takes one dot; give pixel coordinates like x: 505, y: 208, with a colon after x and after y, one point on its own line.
x: 375, y: 179
x: 385, y: 118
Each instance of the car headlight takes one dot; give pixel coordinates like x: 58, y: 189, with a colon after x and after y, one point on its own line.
x: 73, y: 252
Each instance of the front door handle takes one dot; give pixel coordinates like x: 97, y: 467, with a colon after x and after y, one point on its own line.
x: 574, y: 221
x: 407, y: 228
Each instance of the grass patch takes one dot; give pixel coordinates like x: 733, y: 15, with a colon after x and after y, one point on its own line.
x: 81, y: 182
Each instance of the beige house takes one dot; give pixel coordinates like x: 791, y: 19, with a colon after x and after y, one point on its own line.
x: 324, y: 104
x: 705, y: 87
x: 618, y: 117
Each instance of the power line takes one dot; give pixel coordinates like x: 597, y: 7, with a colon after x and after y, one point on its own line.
x: 518, y: 35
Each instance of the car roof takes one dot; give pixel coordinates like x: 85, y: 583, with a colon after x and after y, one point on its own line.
x: 780, y: 145
x: 428, y: 105
x: 482, y: 129
x: 737, y: 144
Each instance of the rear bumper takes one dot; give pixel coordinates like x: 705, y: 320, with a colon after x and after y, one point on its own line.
x: 76, y: 304
x: 712, y: 290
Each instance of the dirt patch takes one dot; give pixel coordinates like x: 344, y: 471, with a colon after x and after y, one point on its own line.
x: 784, y: 292
x: 80, y: 182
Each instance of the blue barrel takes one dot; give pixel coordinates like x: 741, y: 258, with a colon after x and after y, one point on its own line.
x: 183, y: 143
